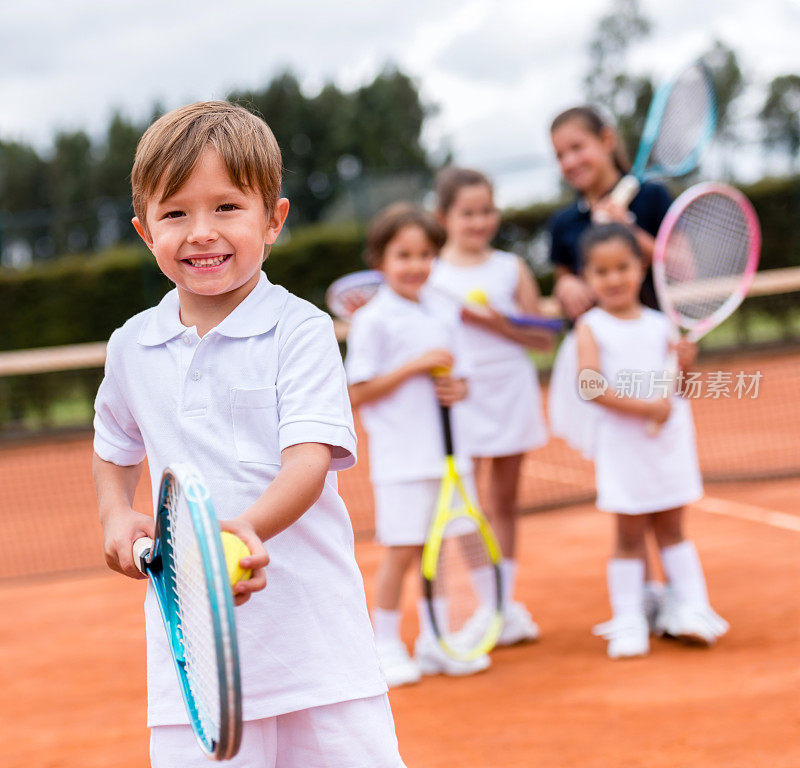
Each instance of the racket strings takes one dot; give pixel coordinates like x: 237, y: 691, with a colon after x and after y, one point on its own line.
x: 686, y: 120
x: 465, y: 588
x: 706, y: 255
x: 194, y: 615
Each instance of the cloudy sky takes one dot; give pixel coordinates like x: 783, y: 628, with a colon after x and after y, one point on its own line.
x: 498, y: 69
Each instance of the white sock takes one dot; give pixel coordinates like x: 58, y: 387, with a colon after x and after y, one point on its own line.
x: 386, y: 625
x: 626, y: 586
x: 508, y: 578
x: 653, y: 589
x: 484, y: 584
x: 440, y: 608
x: 684, y: 573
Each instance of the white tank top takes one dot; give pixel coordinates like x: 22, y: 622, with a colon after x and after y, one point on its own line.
x: 639, y: 346
x: 498, y: 278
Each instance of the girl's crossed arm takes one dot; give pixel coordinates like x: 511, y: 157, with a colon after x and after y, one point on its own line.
x: 589, y: 358
x: 527, y: 297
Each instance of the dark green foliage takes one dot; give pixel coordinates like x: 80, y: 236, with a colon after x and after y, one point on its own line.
x: 780, y: 115
x: 83, y: 298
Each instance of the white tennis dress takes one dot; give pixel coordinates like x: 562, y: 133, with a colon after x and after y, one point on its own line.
x: 503, y: 413
x: 636, y: 472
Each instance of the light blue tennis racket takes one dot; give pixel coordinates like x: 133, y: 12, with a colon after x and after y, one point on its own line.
x: 680, y: 124
x: 186, y: 566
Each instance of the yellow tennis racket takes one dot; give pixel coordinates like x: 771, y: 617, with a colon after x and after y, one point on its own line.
x: 460, y: 566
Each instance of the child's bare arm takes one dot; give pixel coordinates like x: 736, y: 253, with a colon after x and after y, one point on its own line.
x: 589, y: 358
x: 492, y: 320
x: 115, y: 486
x: 374, y: 389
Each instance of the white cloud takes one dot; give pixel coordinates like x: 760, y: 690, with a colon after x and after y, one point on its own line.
x: 498, y: 69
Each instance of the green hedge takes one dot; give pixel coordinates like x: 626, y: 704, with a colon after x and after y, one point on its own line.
x: 83, y: 298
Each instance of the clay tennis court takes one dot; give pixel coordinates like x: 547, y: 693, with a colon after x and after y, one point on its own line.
x: 73, y: 665
x: 73, y: 661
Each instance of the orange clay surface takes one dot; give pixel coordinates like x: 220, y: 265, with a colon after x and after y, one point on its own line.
x: 73, y: 670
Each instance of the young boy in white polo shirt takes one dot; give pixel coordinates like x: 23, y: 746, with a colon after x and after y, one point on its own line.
x: 394, y: 343
x: 245, y: 381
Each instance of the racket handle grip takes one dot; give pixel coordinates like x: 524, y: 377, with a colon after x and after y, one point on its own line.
x: 141, y: 549
x: 447, y: 430
x: 627, y: 188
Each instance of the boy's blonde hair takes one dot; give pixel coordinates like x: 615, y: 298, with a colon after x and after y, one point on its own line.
x: 170, y: 147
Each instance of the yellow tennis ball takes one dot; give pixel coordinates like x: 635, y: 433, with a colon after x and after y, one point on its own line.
x: 235, y: 550
x: 478, y: 296
x: 439, y: 371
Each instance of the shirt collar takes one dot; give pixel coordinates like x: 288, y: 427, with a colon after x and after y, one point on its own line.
x: 388, y: 296
x: 258, y: 313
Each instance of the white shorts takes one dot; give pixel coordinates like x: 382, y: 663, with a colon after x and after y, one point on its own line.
x: 404, y: 510
x: 350, y: 734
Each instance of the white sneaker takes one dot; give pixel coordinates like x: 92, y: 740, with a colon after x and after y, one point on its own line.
x: 655, y: 595
x: 432, y: 659
x: 628, y: 636
x: 697, y: 624
x: 518, y: 626
x: 397, y: 666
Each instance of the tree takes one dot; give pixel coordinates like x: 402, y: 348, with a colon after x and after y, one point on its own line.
x: 22, y: 178
x: 780, y: 116
x: 112, y: 167
x: 331, y: 139
x: 729, y: 84
x: 607, y: 82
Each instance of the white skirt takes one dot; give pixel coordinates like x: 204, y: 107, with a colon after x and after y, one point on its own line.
x: 404, y: 510
x: 571, y: 417
x: 503, y: 414
x: 637, y: 473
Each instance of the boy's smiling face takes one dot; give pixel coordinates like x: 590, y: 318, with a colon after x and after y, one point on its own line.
x: 209, y: 236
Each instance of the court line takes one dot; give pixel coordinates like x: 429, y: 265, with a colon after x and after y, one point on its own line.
x: 771, y: 517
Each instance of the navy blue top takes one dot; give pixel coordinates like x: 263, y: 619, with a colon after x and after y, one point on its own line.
x: 567, y: 225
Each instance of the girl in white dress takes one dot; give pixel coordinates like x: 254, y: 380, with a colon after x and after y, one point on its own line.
x: 504, y: 417
x: 644, y: 475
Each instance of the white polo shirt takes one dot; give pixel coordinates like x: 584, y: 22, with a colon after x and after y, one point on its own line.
x: 267, y: 377
x: 405, y: 427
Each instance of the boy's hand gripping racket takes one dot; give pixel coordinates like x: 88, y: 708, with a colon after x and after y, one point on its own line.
x: 353, y: 291
x: 187, y: 568
x: 705, y: 258
x: 460, y: 566
x: 680, y: 124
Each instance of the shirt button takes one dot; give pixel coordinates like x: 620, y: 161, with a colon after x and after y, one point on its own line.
x: 196, y: 375
x: 187, y: 341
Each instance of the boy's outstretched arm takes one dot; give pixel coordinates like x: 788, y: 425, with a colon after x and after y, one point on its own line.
x: 115, y: 486
x: 296, y: 487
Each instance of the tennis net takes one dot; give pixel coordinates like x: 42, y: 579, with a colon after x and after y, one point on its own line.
x: 744, y: 400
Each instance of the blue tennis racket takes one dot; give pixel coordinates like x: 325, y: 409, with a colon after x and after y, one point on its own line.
x: 186, y: 566
x: 680, y: 124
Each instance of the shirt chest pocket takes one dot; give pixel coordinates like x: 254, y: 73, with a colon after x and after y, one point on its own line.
x: 255, y: 425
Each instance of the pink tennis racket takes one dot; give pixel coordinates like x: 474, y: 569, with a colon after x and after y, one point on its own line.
x: 705, y: 258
